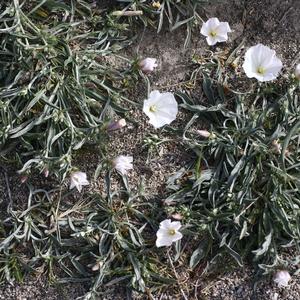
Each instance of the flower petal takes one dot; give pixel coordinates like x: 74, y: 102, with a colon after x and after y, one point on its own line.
x: 222, y: 31
x: 176, y: 225
x: 212, y: 23
x: 154, y: 96
x: 72, y: 185
x: 224, y: 27
x: 160, y: 242
x: 165, y: 224
x: 211, y: 40
x: 177, y: 236
x: 209, y: 26
x: 158, y: 121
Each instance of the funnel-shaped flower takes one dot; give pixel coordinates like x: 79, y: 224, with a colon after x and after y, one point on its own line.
x: 215, y: 31
x: 261, y: 63
x: 123, y: 163
x: 168, y: 233
x: 148, y: 65
x: 78, y: 179
x: 161, y: 108
x: 282, y: 278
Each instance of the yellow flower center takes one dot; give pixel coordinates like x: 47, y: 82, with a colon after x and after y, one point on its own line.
x: 213, y: 33
x: 153, y: 108
x: 172, y: 232
x: 261, y: 70
x: 156, y: 4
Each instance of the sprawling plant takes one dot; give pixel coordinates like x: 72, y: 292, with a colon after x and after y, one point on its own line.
x: 105, y: 238
x: 242, y: 194
x: 56, y: 87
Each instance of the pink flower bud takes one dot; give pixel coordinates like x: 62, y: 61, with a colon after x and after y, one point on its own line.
x: 116, y: 125
x: 297, y: 72
x: 204, y: 133
x: 46, y: 172
x: 148, y: 64
x: 177, y: 216
x: 24, y: 178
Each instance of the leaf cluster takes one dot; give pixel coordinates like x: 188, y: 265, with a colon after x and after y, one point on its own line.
x: 105, y: 239
x: 243, y: 191
x: 57, y: 89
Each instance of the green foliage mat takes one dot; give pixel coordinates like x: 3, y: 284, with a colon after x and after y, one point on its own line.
x: 242, y: 194
x: 57, y: 90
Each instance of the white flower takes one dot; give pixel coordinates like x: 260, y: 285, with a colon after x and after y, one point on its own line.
x: 161, y: 108
x: 148, y: 64
x: 168, y: 233
x: 282, y: 278
x: 297, y: 72
x: 261, y: 63
x: 215, y: 31
x: 123, y: 163
x: 78, y: 179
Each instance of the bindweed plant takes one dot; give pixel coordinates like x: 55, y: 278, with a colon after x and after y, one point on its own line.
x: 103, y: 238
x: 57, y: 89
x: 242, y: 193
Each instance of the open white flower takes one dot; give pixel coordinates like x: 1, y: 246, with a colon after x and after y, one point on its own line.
x: 123, y: 163
x: 215, y: 31
x: 297, y: 72
x: 148, y: 65
x: 282, y: 278
x: 161, y: 108
x: 168, y: 233
x: 261, y: 63
x: 78, y: 179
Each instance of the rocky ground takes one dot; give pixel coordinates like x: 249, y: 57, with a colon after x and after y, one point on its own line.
x: 272, y: 22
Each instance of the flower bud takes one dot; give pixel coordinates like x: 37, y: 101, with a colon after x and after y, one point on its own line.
x: 24, y: 178
x: 297, y: 72
x: 177, y: 216
x: 206, y: 134
x: 116, y: 125
x: 147, y: 65
x: 46, y: 172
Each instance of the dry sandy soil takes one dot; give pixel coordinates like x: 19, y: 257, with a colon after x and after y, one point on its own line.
x: 272, y: 22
